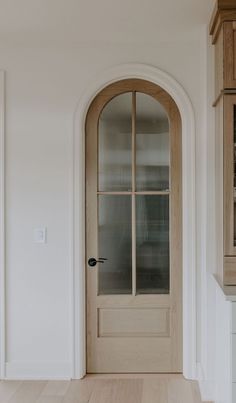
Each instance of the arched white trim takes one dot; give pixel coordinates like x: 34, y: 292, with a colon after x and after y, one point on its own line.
x: 164, y: 80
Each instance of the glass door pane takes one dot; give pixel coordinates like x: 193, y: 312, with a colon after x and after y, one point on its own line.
x: 134, y: 156
x: 152, y: 244
x: 115, y: 145
x: 152, y: 144
x: 115, y: 244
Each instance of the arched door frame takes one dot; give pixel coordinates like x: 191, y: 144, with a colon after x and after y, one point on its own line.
x: 77, y: 179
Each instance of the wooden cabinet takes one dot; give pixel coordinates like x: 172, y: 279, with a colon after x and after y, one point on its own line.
x: 225, y: 57
x: 223, y: 31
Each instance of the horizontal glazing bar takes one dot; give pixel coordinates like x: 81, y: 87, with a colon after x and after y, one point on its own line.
x: 158, y: 192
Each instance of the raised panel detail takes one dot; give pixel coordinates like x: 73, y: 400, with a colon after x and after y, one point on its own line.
x: 133, y: 322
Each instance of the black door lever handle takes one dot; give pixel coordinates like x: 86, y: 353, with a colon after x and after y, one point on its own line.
x: 92, y: 261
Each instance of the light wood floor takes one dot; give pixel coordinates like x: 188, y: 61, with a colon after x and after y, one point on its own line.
x: 103, y: 389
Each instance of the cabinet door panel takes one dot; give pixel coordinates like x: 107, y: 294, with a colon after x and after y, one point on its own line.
x: 229, y: 54
x: 230, y: 175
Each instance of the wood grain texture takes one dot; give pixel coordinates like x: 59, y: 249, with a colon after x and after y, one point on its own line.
x: 80, y: 391
x: 55, y: 388
x: 50, y: 399
x: 138, y: 354
x: 229, y: 277
x: 28, y: 392
x: 229, y: 54
x: 124, y: 388
x: 134, y: 322
x: 222, y: 13
x: 220, y: 6
x: 225, y: 58
x: 133, y: 193
x: 219, y: 64
x: 155, y: 392
x: 179, y: 391
x: 229, y: 270
x: 7, y: 389
x: 229, y: 248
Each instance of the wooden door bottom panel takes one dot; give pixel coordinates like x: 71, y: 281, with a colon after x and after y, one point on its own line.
x: 117, y: 355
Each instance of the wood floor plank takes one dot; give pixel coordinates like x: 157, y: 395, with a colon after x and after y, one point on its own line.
x: 28, y: 392
x: 103, y: 389
x: 118, y: 391
x: 155, y: 391
x: 56, y: 388
x: 128, y: 391
x: 103, y: 393
x: 7, y: 390
x: 79, y: 391
x: 50, y: 399
x: 195, y: 392
x: 179, y: 391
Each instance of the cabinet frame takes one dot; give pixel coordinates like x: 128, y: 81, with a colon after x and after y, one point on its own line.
x: 223, y: 31
x: 229, y: 103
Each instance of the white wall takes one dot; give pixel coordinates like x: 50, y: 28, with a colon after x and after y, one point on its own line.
x: 215, y: 312
x: 43, y: 85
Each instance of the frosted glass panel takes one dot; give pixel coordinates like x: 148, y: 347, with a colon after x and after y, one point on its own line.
x: 115, y: 244
x: 152, y: 144
x: 152, y: 244
x: 115, y: 142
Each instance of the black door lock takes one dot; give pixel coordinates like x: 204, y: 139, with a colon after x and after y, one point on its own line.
x: 92, y: 261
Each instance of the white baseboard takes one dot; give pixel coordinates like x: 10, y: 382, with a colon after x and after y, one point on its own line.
x: 38, y: 370
x: 207, y: 387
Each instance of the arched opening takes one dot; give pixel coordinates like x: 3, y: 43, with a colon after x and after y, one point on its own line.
x: 78, y: 300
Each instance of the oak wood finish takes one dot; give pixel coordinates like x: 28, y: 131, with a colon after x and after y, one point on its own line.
x: 230, y: 270
x: 219, y: 64
x: 225, y: 10
x: 134, y: 354
x: 133, y: 193
x: 229, y: 216
x: 225, y: 58
x: 223, y: 31
x: 229, y: 29
x: 229, y: 102
x: 219, y: 147
x: 103, y: 389
x: 145, y: 322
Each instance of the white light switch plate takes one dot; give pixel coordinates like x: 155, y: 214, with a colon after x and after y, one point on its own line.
x: 40, y: 235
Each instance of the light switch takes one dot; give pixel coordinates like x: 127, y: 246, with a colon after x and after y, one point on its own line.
x: 40, y: 235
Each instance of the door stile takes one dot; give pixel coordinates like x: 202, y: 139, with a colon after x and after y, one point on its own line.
x: 176, y: 238
x: 133, y: 194
x: 133, y: 246
x: 133, y: 141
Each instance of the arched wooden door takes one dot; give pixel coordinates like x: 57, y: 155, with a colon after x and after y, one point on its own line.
x: 133, y: 230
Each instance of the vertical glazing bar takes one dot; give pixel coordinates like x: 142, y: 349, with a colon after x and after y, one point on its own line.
x: 133, y: 195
